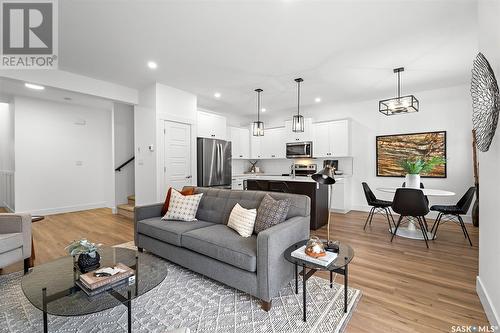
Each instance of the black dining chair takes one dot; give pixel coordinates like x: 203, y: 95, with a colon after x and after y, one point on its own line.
x: 377, y: 205
x: 452, y: 212
x: 426, y: 199
x: 409, y: 202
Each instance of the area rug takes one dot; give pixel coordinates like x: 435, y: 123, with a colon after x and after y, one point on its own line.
x: 187, y: 299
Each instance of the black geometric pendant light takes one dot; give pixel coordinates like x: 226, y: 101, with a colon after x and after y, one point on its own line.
x: 400, y: 104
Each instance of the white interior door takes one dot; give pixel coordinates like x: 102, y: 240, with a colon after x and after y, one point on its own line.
x: 177, y: 145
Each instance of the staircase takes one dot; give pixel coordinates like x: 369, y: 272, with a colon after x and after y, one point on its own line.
x: 127, y: 210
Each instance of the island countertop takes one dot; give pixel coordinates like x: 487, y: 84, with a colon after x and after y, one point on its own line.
x: 307, y: 179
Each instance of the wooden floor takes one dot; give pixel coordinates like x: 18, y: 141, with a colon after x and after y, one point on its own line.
x: 406, y: 287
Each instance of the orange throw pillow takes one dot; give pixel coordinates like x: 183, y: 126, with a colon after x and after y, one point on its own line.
x: 185, y: 191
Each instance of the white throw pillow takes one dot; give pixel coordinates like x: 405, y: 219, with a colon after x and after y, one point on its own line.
x: 242, y: 220
x: 182, y: 208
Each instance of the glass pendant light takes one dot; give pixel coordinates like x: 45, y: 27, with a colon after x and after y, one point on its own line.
x: 400, y: 104
x: 298, y: 119
x: 258, y: 126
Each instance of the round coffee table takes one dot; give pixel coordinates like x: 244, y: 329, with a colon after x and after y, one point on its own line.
x: 51, y: 287
x: 339, y: 265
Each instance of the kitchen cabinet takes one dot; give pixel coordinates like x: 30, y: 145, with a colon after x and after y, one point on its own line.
x: 299, y: 136
x: 240, y: 141
x: 341, y: 192
x: 212, y: 126
x: 255, y: 146
x: 318, y: 194
x: 237, y: 184
x: 272, y: 144
x: 331, y: 138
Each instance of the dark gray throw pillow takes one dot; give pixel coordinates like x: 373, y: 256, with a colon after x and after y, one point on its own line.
x: 271, y: 212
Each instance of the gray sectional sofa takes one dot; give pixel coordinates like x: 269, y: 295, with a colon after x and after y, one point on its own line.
x: 255, y: 265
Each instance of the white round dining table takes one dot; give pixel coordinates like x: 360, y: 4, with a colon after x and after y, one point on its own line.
x: 411, y: 230
x: 431, y: 192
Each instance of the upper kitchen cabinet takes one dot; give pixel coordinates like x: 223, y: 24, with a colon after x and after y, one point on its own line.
x: 299, y: 136
x: 240, y: 140
x: 331, y: 139
x: 256, y: 146
x: 212, y: 126
x: 273, y: 144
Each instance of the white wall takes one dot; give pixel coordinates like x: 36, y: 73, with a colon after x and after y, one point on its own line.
x: 443, y: 109
x: 123, y: 118
x: 158, y: 103
x: 488, y: 281
x: 49, y: 145
x: 7, y: 156
x: 145, y: 135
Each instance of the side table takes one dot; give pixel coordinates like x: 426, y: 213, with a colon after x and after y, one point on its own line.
x: 339, y: 265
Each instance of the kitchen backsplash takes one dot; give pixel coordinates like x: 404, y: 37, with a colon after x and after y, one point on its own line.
x: 280, y: 166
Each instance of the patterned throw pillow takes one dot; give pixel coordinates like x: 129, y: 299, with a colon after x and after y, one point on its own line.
x: 242, y: 220
x: 182, y: 208
x: 185, y: 191
x: 271, y: 212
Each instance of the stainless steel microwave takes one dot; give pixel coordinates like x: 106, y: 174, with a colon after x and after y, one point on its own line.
x: 299, y: 149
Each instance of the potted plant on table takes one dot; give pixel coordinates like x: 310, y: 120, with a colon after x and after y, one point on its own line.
x: 415, y: 166
x: 88, y: 257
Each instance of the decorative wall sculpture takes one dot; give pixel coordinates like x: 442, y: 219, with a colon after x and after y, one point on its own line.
x: 485, y: 102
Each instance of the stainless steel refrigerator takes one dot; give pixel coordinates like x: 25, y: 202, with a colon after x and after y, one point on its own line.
x: 214, y: 163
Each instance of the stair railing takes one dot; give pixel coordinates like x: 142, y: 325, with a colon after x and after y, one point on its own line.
x: 125, y: 163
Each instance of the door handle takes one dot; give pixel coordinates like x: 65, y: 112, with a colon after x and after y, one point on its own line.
x: 189, y: 177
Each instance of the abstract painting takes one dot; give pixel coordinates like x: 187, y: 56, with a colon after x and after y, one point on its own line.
x: 392, y: 149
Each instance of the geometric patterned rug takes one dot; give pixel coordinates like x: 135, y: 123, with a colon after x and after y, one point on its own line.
x: 187, y: 299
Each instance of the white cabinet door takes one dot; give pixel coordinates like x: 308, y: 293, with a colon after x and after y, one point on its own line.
x: 339, y: 138
x: 255, y: 146
x: 272, y: 144
x: 212, y: 126
x: 237, y: 184
x: 299, y: 136
x: 240, y: 142
x: 321, y: 139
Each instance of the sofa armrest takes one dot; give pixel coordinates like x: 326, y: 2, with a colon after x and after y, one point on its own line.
x: 18, y: 223
x: 145, y: 212
x: 273, y: 270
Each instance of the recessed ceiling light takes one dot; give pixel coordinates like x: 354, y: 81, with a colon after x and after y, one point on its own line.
x: 317, y: 99
x: 152, y: 65
x: 34, y: 86
x: 217, y: 95
x: 263, y: 109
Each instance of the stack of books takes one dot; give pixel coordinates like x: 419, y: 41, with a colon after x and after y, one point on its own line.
x: 324, y: 261
x: 93, y: 285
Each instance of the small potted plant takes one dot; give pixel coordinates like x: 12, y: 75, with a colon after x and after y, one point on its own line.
x: 415, y: 166
x: 88, y: 257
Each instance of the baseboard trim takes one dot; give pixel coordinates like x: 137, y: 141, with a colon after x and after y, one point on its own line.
x: 68, y: 209
x: 433, y: 215
x: 488, y: 307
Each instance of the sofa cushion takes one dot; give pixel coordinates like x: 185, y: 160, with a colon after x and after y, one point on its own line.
x: 9, y: 242
x: 167, y: 230
x: 224, y: 244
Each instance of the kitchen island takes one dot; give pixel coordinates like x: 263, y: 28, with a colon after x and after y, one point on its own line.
x: 297, y: 185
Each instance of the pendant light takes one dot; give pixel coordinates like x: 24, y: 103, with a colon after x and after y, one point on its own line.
x: 298, y: 119
x: 400, y: 104
x: 258, y: 126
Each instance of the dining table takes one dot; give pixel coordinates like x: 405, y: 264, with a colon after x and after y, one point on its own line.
x: 411, y: 230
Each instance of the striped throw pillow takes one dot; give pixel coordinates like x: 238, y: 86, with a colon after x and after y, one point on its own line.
x: 242, y: 220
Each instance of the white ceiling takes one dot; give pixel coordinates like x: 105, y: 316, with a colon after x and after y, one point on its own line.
x: 10, y: 88
x: 344, y: 50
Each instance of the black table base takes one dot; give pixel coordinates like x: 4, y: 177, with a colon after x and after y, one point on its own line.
x: 307, y: 274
